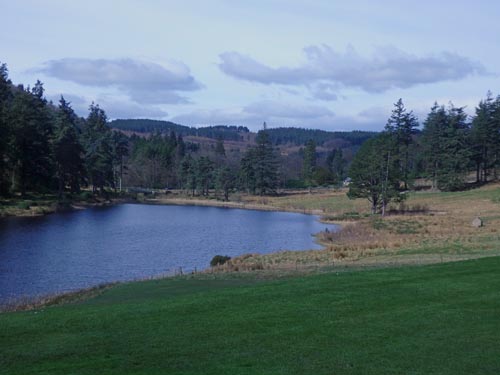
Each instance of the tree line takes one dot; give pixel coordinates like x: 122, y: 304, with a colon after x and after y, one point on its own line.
x: 47, y: 148
x: 226, y: 132
x: 452, y: 151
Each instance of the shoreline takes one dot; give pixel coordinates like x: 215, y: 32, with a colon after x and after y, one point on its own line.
x: 56, y: 206
x: 23, y: 303
x: 228, y: 204
x: 42, y: 301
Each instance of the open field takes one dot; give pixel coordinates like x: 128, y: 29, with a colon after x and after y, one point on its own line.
x: 437, y: 319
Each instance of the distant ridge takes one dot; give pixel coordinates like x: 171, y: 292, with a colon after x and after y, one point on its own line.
x: 279, y: 136
x: 226, y: 132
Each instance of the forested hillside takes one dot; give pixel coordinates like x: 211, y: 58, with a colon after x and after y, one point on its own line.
x: 46, y: 147
x: 299, y: 136
x: 233, y: 133
x: 278, y: 136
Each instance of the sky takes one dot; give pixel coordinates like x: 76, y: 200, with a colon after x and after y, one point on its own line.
x: 332, y: 65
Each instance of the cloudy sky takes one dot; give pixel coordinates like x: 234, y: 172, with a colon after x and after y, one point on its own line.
x: 334, y: 65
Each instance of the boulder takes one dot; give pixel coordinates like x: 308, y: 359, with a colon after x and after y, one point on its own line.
x: 477, y: 222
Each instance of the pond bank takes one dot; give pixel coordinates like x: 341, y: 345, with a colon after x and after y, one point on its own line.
x: 49, y: 205
x: 228, y: 204
x: 76, y: 249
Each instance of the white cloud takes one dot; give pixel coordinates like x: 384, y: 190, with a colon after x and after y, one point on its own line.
x: 143, y: 82
x: 326, y: 70
x: 275, y: 109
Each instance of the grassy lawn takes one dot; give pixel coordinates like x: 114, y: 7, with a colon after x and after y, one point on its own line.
x: 437, y: 319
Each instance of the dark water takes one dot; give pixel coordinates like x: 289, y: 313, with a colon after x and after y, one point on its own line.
x: 78, y: 249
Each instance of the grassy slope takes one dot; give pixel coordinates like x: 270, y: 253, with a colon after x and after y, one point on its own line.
x: 439, y: 319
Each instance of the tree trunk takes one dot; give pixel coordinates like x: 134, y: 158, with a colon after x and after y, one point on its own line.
x: 61, y: 186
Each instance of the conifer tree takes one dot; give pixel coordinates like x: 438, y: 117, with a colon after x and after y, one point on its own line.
x: 224, y: 181
x: 309, y: 164
x: 485, y: 137
x: 5, y: 103
x: 265, y: 165
x: 402, y: 127
x: 68, y: 152
x: 97, y: 141
x: 29, y: 145
x: 445, y: 146
x: 247, y: 171
x: 204, y: 175
x: 120, y: 151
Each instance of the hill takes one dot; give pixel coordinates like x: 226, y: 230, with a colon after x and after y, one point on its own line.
x: 279, y: 136
x: 225, y: 132
x: 299, y: 136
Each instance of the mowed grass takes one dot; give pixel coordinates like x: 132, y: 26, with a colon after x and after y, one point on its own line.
x: 438, y: 319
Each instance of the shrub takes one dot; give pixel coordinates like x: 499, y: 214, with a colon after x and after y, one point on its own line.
x: 219, y: 260
x: 24, y: 205
x: 86, y: 195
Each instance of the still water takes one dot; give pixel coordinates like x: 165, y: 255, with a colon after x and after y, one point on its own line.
x: 78, y: 249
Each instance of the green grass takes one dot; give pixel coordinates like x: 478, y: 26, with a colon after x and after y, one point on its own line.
x: 439, y: 319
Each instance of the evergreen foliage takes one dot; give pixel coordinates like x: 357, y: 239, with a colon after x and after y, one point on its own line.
x: 98, y: 145
x: 299, y: 136
x: 485, y: 138
x: 68, y: 152
x: 6, y: 96
x: 446, y: 149
x: 29, y: 154
x: 309, y: 165
x: 337, y: 165
x: 402, y: 126
x: 259, y: 166
x: 225, y: 132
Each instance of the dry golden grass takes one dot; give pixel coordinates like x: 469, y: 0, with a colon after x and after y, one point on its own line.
x: 435, y: 227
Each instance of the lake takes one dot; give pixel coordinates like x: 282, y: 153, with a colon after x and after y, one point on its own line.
x: 78, y: 249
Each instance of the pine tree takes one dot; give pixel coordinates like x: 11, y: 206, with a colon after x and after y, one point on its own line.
x: 5, y: 103
x: 204, y: 175
x: 337, y: 165
x: 120, y: 151
x: 98, y: 146
x: 187, y: 174
x: 266, y: 166
x: 180, y: 151
x: 68, y: 152
x: 247, y: 171
x: 259, y: 166
x: 309, y: 164
x: 402, y: 127
x: 219, y: 148
x: 29, y: 144
x: 445, y: 146
x: 224, y: 181
x: 457, y: 153
x: 485, y: 137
